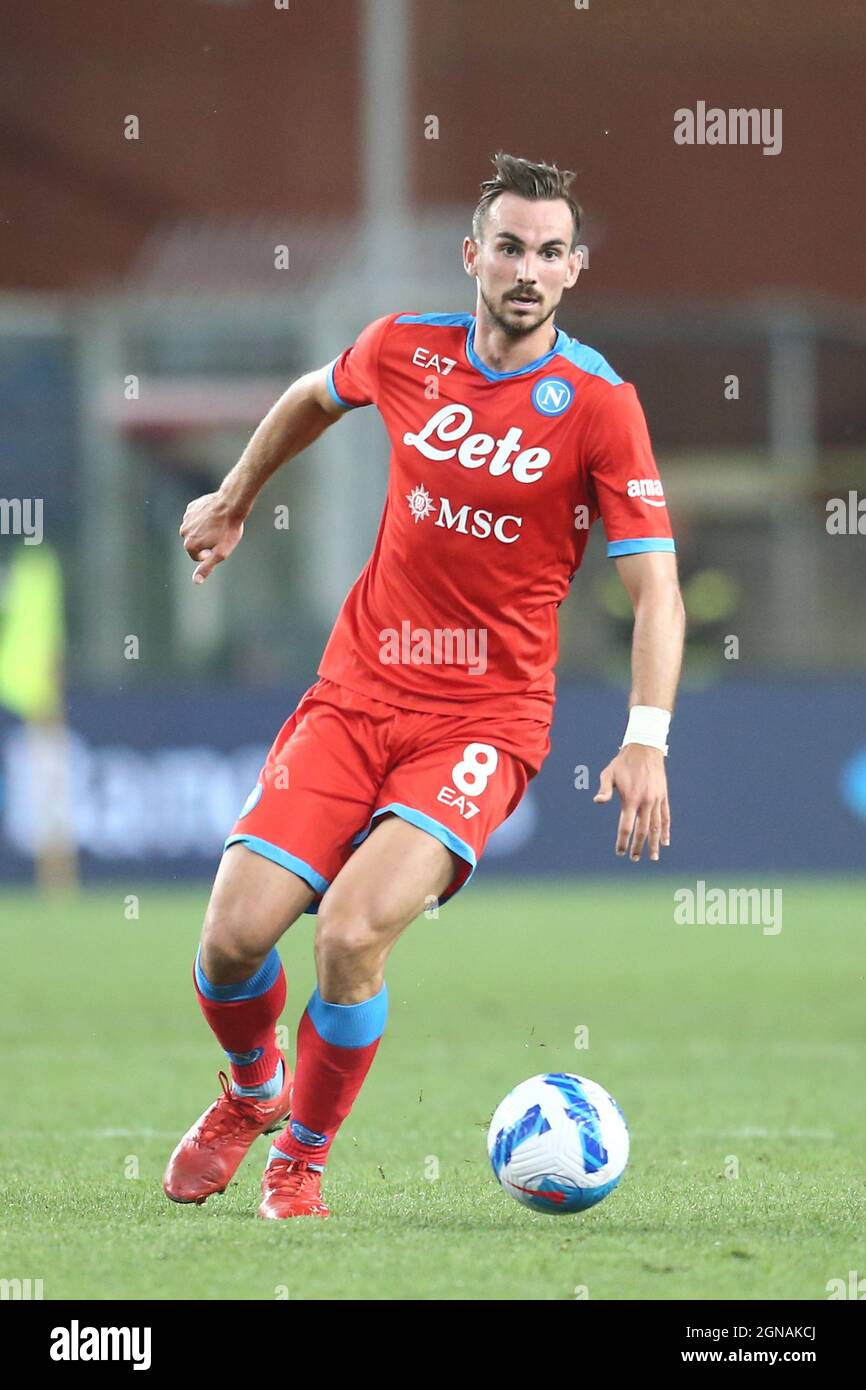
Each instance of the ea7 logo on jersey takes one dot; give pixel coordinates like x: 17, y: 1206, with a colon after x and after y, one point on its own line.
x: 423, y: 357
x: 453, y: 422
x: 647, y: 489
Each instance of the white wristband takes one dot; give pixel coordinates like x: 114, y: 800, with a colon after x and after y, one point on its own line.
x: 648, y: 725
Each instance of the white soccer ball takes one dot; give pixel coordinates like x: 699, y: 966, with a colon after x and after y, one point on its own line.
x: 558, y: 1142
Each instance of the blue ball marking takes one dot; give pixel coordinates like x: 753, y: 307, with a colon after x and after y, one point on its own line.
x: 580, y: 1108
x: 532, y: 1122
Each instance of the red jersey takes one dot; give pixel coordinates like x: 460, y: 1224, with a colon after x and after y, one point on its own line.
x: 495, y: 479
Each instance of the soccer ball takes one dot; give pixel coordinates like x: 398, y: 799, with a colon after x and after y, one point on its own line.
x: 558, y: 1142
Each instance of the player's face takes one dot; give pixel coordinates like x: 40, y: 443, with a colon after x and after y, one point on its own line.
x: 524, y: 261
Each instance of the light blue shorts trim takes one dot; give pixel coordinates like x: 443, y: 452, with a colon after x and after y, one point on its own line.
x: 433, y: 827
x: 320, y: 884
x: 280, y: 856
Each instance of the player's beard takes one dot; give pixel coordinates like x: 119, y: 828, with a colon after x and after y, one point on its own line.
x: 509, y: 328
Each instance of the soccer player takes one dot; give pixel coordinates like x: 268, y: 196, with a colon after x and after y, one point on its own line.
x: 435, y: 692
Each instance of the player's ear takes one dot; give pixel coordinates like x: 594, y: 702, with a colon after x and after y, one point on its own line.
x: 575, y: 266
x: 470, y: 256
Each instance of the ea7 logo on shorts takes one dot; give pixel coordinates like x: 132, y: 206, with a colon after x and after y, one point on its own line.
x: 470, y: 776
x: 552, y: 395
x: 423, y: 357
x: 647, y: 489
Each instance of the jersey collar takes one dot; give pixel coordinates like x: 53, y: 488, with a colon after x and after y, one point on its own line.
x: 491, y: 375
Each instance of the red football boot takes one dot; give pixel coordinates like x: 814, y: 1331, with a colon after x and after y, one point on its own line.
x: 290, y: 1187
x: 209, y: 1154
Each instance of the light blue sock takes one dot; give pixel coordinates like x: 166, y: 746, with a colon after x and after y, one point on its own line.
x: 266, y: 1090
x: 276, y: 1155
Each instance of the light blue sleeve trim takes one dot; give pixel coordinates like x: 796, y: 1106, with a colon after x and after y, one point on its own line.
x: 640, y: 544
x: 282, y: 857
x: 346, y: 405
x: 349, y: 1025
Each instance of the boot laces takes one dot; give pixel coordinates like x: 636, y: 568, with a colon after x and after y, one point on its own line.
x: 231, y: 1114
x: 294, y: 1175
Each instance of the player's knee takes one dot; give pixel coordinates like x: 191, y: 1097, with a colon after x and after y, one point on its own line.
x: 343, y: 936
x: 229, y: 952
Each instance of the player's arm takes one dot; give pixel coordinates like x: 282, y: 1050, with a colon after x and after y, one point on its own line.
x: 212, y: 525
x: 638, y: 770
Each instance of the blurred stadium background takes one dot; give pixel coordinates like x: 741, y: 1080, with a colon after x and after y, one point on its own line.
x: 201, y: 200
x: 204, y: 198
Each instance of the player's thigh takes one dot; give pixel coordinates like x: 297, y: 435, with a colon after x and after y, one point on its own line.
x: 389, y: 880
x: 253, y: 901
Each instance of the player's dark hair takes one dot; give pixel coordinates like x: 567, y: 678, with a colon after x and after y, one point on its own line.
x: 538, y: 182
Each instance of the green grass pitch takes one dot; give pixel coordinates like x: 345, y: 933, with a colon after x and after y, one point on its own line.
x: 737, y: 1058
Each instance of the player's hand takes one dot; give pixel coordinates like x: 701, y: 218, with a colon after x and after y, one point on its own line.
x: 210, y: 533
x: 638, y: 774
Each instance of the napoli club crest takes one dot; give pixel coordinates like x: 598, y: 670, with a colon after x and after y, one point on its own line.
x: 552, y: 395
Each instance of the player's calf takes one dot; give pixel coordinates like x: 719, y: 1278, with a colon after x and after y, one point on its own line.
x: 241, y: 992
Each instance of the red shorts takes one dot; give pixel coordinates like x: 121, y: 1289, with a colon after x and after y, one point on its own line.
x: 344, y: 759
